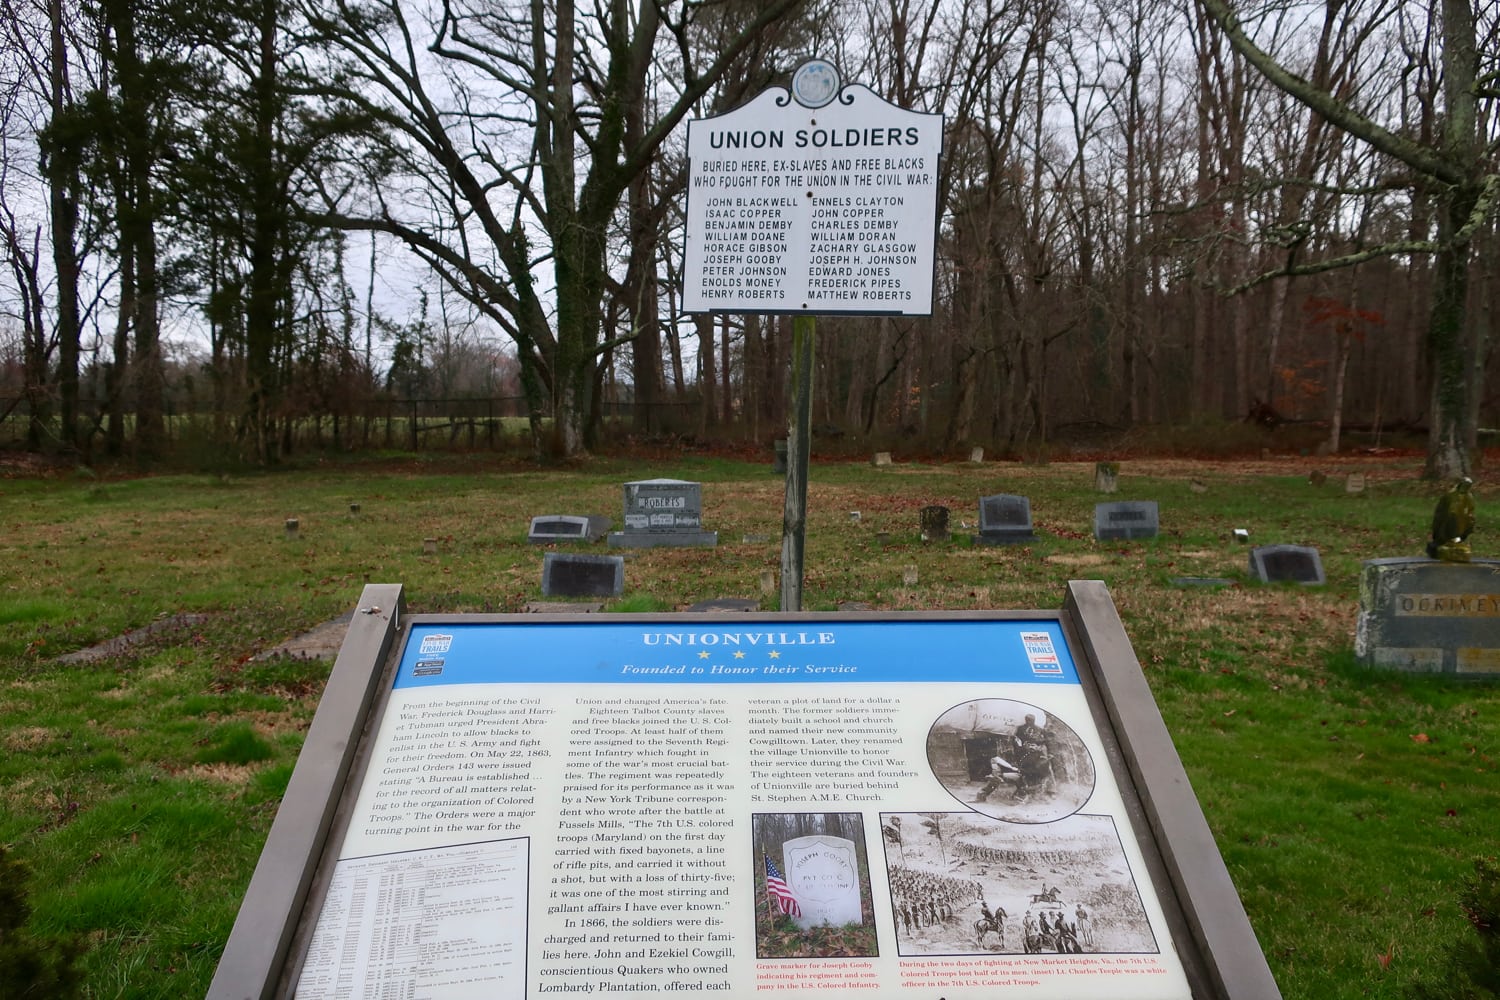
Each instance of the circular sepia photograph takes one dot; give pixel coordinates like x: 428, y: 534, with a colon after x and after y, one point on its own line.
x: 1010, y: 760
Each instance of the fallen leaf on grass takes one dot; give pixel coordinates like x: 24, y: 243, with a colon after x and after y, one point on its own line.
x: 1421, y: 738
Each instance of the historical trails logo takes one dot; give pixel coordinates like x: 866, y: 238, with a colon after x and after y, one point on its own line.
x: 435, y: 644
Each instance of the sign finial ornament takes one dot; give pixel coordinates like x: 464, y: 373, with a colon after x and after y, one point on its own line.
x: 815, y: 82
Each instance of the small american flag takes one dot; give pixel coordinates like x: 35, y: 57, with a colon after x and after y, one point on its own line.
x: 776, y: 889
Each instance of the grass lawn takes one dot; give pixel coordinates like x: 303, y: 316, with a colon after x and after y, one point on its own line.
x: 1349, y: 805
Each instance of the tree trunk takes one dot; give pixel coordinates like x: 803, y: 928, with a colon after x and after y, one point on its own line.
x: 1447, y: 350
x: 63, y: 193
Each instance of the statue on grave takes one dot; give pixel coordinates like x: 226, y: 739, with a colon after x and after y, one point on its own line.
x: 1451, y: 523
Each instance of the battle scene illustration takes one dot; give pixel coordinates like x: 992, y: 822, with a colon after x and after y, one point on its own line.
x: 966, y: 884
x: 1010, y: 760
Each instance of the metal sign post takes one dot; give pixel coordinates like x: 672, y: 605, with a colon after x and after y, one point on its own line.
x: 818, y: 198
x: 799, y: 444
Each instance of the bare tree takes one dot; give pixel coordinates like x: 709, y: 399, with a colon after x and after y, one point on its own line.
x: 511, y: 147
x: 1456, y: 165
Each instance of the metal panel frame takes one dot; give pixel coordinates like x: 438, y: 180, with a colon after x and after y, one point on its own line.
x: 1213, y: 936
x: 258, y: 946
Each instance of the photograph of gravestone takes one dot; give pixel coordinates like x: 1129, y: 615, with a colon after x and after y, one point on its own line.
x: 1010, y: 760
x: 662, y: 513
x: 1287, y: 564
x: 1126, y: 520
x: 548, y: 528
x: 567, y: 575
x: 965, y: 884
x: 1004, y: 519
x: 816, y: 898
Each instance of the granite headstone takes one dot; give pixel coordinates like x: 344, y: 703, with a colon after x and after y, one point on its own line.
x: 663, y: 512
x: 1430, y: 616
x: 1126, y: 519
x: 1004, y: 519
x: 935, y: 523
x: 568, y: 575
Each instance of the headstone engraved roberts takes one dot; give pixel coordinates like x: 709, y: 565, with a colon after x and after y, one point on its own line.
x: 1004, y: 519
x: 823, y: 873
x: 663, y: 512
x: 1126, y: 519
x: 818, y: 199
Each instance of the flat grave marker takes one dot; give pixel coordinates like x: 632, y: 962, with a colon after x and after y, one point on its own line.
x: 1287, y: 564
x: 568, y: 575
x: 548, y: 528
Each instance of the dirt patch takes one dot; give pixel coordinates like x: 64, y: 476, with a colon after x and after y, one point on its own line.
x: 1084, y: 559
x: 26, y: 738
x: 227, y: 774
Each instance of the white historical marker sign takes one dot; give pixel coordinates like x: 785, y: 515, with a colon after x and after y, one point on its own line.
x: 817, y: 200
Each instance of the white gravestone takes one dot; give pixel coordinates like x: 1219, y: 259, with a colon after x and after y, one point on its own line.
x: 823, y: 873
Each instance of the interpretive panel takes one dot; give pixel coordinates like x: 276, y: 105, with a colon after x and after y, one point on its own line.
x: 817, y: 210
x: 637, y: 763
x: 938, y: 805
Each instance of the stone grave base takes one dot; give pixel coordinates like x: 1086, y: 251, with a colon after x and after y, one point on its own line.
x: 1004, y: 538
x: 661, y: 539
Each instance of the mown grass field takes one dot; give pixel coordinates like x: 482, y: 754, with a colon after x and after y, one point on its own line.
x: 138, y: 789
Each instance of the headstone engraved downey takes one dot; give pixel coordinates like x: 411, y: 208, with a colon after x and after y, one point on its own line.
x: 1430, y: 616
x: 567, y: 528
x: 1004, y: 519
x: 818, y: 199
x: 823, y: 873
x: 663, y: 512
x: 1126, y: 519
x: 1287, y: 564
x: 568, y: 575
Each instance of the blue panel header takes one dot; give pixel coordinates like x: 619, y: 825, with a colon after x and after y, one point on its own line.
x: 687, y: 652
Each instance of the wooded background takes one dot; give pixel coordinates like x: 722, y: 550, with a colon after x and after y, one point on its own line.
x: 274, y: 215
